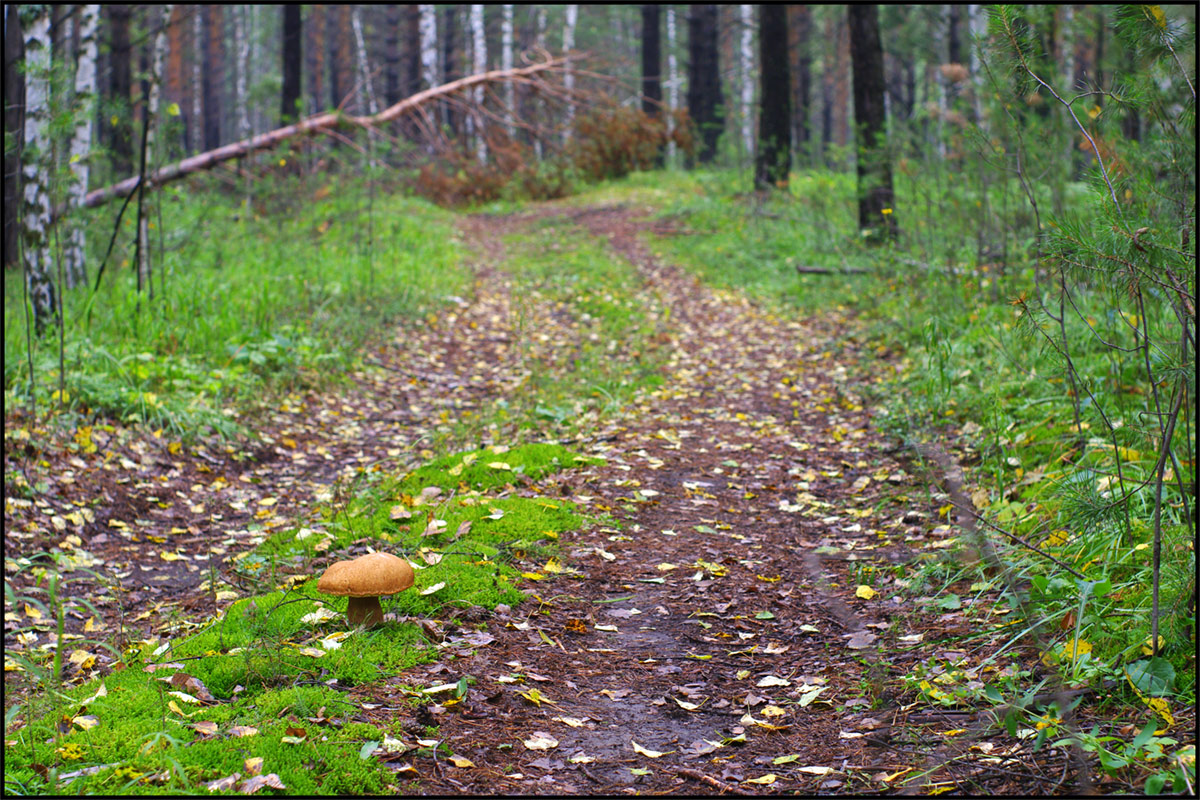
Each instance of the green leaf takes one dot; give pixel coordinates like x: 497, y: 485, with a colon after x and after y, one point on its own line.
x: 1152, y: 676
x: 367, y: 749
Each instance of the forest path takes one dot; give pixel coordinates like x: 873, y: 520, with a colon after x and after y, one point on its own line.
x: 715, y: 642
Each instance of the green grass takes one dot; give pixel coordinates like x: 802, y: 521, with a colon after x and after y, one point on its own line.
x: 281, y: 659
x: 242, y: 302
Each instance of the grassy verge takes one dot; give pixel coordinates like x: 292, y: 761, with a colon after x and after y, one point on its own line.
x: 278, y: 676
x: 239, y: 301
x: 983, y: 378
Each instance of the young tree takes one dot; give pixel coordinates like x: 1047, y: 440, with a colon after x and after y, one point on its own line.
x: 506, y: 63
x: 746, y: 72
x: 391, y: 54
x: 14, y: 105
x: 651, y: 66
x: 196, y: 123
x: 569, y: 76
x: 450, y: 70
x: 478, y: 65
x: 241, y: 47
x: 365, y: 84
x: 873, y: 163
x: 704, y: 99
x: 672, y: 80
x: 774, y: 159
x: 35, y: 212
x: 292, y: 64
x: 316, y: 57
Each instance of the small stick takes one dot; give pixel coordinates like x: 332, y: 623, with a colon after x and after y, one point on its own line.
x: 711, y: 781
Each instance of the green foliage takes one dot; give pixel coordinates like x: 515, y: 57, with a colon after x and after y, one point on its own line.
x: 243, y: 301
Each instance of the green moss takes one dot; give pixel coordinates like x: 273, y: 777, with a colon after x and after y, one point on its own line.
x: 481, y: 470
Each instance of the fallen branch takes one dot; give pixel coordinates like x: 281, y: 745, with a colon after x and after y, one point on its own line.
x: 319, y: 123
x: 827, y: 271
x: 696, y: 775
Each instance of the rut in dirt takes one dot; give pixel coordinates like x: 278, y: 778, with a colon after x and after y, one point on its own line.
x: 709, y: 636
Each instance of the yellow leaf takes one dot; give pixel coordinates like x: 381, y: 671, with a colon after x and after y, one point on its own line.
x: 637, y: 748
x: 552, y: 566
x: 499, y: 465
x: 1148, y: 645
x: 32, y: 612
x: 770, y: 777
x: 173, y: 110
x: 70, y: 751
x: 434, y: 588
x: 865, y: 592
x: 459, y: 761
x: 174, y: 447
x: 165, y: 556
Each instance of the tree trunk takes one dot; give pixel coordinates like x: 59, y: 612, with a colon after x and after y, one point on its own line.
x: 337, y: 40
x: 392, y: 91
x: 672, y: 82
x: 214, y: 74
x: 176, y: 31
x: 704, y: 81
x: 841, y: 83
x: 506, y: 63
x: 75, y: 268
x: 241, y: 47
x: 953, y: 40
x: 569, y: 77
x: 875, y: 198
x: 652, y: 67
x: 14, y: 106
x: 800, y: 31
x: 316, y: 57
x: 120, y: 84
x: 150, y: 120
x: 196, y: 122
x: 292, y: 65
x: 774, y: 159
x: 429, y: 52
x: 35, y: 216
x: 827, y: 83
x: 450, y: 70
x: 746, y: 72
x: 365, y: 83
x: 478, y: 65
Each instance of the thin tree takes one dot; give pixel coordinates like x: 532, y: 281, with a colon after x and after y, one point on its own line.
x: 196, y: 123
x: 652, y: 67
x: 478, y: 65
x: 391, y: 54
x: 506, y: 63
x: 873, y: 162
x: 214, y: 74
x: 36, y: 207
x: 292, y: 64
x: 241, y: 48
x: 366, y: 85
x: 81, y: 140
x: 14, y: 105
x: 800, y: 30
x: 704, y: 98
x: 773, y: 161
x: 569, y: 77
x: 450, y: 70
x: 746, y: 72
x: 672, y: 82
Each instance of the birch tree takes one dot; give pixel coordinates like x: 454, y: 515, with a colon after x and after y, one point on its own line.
x: 241, y: 45
x: 429, y: 53
x: 197, y: 130
x: 746, y: 64
x: 569, y: 75
x: 478, y: 65
x: 81, y: 140
x: 506, y: 63
x: 35, y: 216
x: 672, y: 82
x: 364, y: 71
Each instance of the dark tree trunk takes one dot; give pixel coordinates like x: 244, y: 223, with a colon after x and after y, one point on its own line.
x: 652, y: 67
x: 875, y: 198
x: 391, y: 55
x: 14, y: 107
x: 412, y: 50
x: 333, y: 56
x: 120, y: 85
x: 446, y: 29
x: 316, y: 57
x: 773, y: 161
x: 953, y: 41
x: 800, y: 32
x: 341, y: 35
x: 293, y: 64
x: 704, y: 99
x: 214, y: 75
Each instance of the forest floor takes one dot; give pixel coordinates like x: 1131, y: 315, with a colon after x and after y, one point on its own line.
x: 722, y: 640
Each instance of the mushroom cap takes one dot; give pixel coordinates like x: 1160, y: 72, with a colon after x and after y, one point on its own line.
x: 367, y: 576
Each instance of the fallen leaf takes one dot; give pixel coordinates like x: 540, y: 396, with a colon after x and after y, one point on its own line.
x: 243, y: 730
x: 765, y: 780
x: 205, y: 728
x: 223, y: 784
x: 637, y: 748
x: 815, y: 770
x: 571, y: 721
x: 865, y: 592
x: 773, y: 680
x: 459, y: 761
x: 253, y: 766
x: 268, y: 781
x: 540, y: 741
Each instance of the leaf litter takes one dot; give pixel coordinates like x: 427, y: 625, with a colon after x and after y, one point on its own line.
x: 745, y: 488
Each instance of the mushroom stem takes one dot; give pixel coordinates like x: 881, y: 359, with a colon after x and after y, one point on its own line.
x: 364, y: 611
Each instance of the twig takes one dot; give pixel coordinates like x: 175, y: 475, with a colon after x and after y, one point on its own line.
x: 696, y: 775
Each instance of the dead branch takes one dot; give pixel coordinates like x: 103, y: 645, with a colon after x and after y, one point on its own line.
x: 321, y: 122
x: 826, y: 271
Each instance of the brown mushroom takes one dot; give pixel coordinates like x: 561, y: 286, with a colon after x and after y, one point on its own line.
x: 363, y: 580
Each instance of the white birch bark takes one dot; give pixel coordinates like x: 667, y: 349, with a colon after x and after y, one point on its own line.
x: 35, y: 216
x: 539, y: 40
x: 506, y: 63
x: 364, y: 72
x: 429, y: 54
x: 197, y: 120
x: 672, y: 82
x: 81, y: 140
x: 568, y: 73
x: 746, y: 58
x: 478, y: 65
